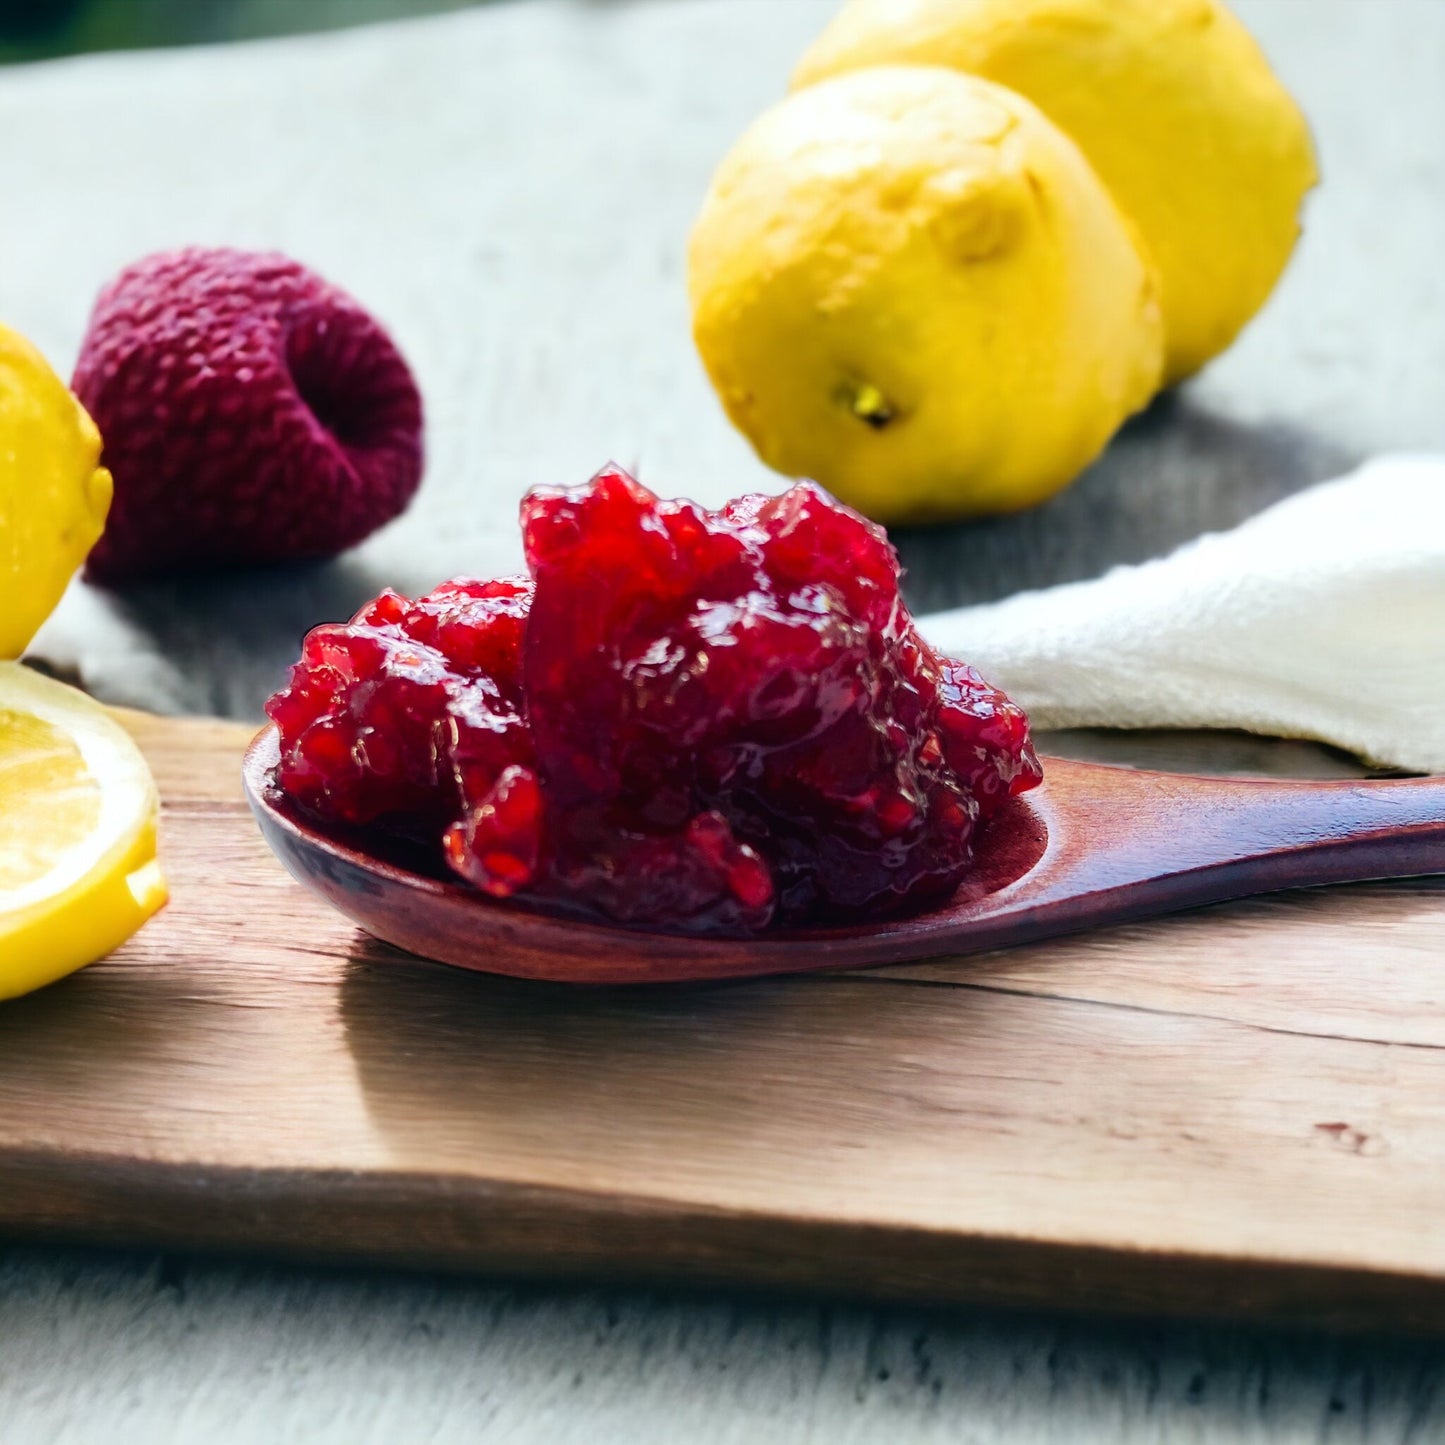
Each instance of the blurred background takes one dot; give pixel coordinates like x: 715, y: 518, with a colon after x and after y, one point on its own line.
x: 42, y: 29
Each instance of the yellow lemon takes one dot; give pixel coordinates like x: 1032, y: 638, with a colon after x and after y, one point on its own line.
x: 78, y: 869
x: 53, y: 494
x: 1174, y: 105
x: 910, y: 286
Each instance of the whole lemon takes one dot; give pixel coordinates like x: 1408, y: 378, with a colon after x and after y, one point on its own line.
x: 908, y: 285
x: 1174, y: 105
x: 54, y: 495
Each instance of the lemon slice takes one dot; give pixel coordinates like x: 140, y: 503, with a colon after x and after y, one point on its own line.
x: 78, y: 868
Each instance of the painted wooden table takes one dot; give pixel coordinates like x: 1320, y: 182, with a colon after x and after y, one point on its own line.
x: 510, y: 189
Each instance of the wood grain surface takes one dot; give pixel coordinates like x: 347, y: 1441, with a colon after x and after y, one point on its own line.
x: 1235, y: 1111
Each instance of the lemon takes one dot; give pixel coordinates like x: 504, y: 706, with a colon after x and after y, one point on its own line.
x: 909, y: 285
x: 54, y: 495
x: 1174, y: 105
x: 78, y: 869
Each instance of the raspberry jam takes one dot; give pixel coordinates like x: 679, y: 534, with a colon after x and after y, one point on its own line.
x: 707, y: 722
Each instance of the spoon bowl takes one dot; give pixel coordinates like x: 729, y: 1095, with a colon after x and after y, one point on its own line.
x: 1092, y: 845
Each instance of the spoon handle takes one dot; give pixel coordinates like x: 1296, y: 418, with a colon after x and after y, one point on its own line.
x: 1185, y: 840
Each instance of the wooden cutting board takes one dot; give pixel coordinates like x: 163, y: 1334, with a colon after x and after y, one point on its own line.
x: 1238, y: 1111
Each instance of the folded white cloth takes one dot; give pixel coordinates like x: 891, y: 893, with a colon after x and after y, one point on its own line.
x: 1322, y: 617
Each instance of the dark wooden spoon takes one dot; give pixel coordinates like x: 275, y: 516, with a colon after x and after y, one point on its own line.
x: 1092, y: 845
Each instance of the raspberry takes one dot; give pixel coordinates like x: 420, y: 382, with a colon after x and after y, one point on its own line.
x: 251, y: 412
x: 706, y: 721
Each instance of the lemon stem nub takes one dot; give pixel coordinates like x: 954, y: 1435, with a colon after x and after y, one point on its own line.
x: 869, y: 405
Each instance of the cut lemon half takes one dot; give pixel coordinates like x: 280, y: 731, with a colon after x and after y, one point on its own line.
x: 78, y: 867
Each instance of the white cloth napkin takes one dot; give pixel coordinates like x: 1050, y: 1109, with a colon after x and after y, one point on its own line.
x: 1322, y: 617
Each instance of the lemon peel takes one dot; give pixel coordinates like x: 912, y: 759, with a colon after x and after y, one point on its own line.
x: 78, y: 867
x: 1175, y: 106
x: 908, y: 285
x: 54, y: 494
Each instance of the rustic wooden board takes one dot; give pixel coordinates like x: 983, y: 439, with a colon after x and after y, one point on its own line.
x: 1235, y: 1111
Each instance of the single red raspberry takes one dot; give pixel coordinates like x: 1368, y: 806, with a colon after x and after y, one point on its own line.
x: 251, y: 412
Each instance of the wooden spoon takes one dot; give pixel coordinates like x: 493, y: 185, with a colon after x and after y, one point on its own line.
x: 1092, y: 845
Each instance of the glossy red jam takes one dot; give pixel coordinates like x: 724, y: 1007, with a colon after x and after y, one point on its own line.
x: 691, y: 720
